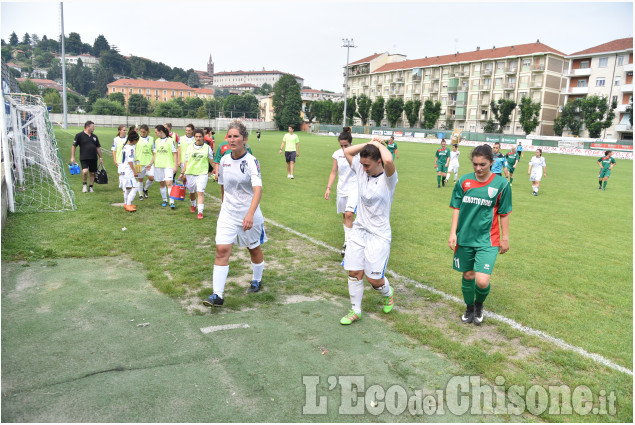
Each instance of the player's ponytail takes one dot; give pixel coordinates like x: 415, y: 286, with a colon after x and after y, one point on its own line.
x: 121, y: 127
x: 133, y: 136
x: 162, y: 129
x: 346, y: 135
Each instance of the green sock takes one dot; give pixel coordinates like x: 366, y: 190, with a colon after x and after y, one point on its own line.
x: 605, y: 182
x: 511, y: 180
x: 600, y: 183
x: 481, y: 294
x: 467, y: 286
x: 438, y: 180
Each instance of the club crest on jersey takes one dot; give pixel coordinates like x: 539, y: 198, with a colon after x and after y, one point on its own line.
x: 243, y: 166
x: 492, y: 191
x: 468, y: 184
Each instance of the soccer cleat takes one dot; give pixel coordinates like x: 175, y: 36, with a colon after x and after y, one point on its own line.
x: 172, y: 205
x: 291, y: 176
x: 255, y: 286
x: 145, y: 193
x: 85, y: 189
x: 478, y: 313
x: 350, y: 318
x: 164, y: 204
x: 389, y: 301
x: 343, y: 251
x: 468, y: 316
x: 192, y: 209
x: 90, y: 189
x: 199, y: 216
x: 604, y: 189
x: 213, y: 301
x: 443, y: 183
x: 438, y: 186
x: 288, y: 176
x: 141, y: 197
x: 130, y: 208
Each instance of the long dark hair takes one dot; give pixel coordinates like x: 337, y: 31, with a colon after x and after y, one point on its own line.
x: 162, y: 128
x: 484, y: 151
x: 346, y: 135
x: 372, y: 152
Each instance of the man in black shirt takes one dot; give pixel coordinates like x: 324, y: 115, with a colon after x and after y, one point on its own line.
x: 89, y: 151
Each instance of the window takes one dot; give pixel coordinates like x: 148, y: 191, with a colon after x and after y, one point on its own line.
x: 139, y: 91
x: 172, y: 93
x: 156, y: 92
x: 148, y: 92
x: 526, y: 63
x: 617, y: 80
x: 114, y: 89
x: 130, y: 91
x: 604, y: 62
x: 582, y: 83
x: 585, y: 64
x: 620, y: 60
x: 123, y: 90
x: 600, y: 82
x: 500, y: 66
x: 614, y: 99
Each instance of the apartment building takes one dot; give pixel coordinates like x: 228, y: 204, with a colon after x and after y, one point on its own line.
x: 466, y: 83
x: 159, y: 90
x: 312, y: 95
x: 605, y: 70
x: 257, y: 78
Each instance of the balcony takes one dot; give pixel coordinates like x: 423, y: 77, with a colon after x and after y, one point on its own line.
x: 416, y: 78
x: 399, y: 80
x: 627, y: 88
x: 535, y: 85
x: 510, y: 86
x: 623, y: 127
x: 452, y: 103
x: 434, y: 90
x: 484, y: 88
x: 483, y: 118
x: 464, y: 74
x: 622, y: 108
x: 453, y: 89
x: 575, y: 90
x: 584, y: 72
x: 486, y: 72
x: 628, y: 67
x: 538, y: 68
x: 511, y: 70
x: 484, y: 102
x: 460, y: 116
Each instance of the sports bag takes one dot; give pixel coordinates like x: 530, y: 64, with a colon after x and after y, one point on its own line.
x: 101, y: 177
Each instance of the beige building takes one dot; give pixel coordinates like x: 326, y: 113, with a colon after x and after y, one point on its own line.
x: 605, y: 70
x: 159, y: 90
x: 466, y: 83
x: 312, y: 95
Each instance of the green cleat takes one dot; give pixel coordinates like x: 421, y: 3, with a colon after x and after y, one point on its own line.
x: 389, y: 301
x: 350, y: 318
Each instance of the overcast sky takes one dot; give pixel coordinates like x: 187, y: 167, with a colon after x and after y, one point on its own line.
x: 305, y: 37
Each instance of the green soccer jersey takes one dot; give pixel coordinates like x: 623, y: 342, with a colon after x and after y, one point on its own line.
x: 442, y: 156
x: 117, y: 146
x: 165, y: 149
x: 143, y: 150
x: 480, y: 204
x: 197, y: 159
x: 184, y: 144
x: 606, y: 162
x: 392, y: 147
x: 511, y: 159
x: 289, y: 142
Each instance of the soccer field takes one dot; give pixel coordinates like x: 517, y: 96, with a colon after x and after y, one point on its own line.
x: 568, y: 272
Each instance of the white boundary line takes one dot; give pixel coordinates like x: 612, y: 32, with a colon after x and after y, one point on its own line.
x: 211, y: 329
x: 515, y: 325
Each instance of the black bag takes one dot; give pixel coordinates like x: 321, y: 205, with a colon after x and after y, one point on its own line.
x: 101, y: 177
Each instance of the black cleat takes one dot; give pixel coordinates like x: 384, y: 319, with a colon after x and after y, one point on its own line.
x: 468, y: 316
x: 213, y: 301
x: 443, y: 183
x: 145, y: 193
x: 343, y: 251
x: 478, y: 313
x: 255, y: 286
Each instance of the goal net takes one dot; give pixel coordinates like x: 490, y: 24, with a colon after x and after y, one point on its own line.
x: 33, y: 167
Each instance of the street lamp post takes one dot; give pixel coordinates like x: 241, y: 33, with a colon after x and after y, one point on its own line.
x: 348, y: 44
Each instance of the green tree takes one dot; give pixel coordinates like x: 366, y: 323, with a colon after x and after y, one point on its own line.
x: 35, y: 40
x: 93, y: 95
x: 287, y: 102
x: 377, y: 110
x: 309, y: 114
x: 490, y: 126
x: 502, y: 111
x: 363, y: 108
x: 529, y: 113
x: 322, y: 110
x: 351, y: 108
x: 75, y: 102
x: 117, y: 97
x: 13, y: 39
x: 265, y: 89
x: 26, y: 39
x: 431, y: 113
x: 6, y: 54
x: 192, y: 104
x: 55, y: 71
x: 448, y: 124
x: 598, y: 114
x: 193, y: 80
x: 44, y: 60
x: 80, y: 77
x: 412, y: 108
x: 169, y: 109
x: 73, y: 44
x: 137, y: 104
x: 53, y: 100
x: 570, y: 117
x: 337, y: 112
x: 29, y: 87
x: 221, y: 93
x: 100, y: 45
x: 114, y: 62
x: 394, y: 109
x: 107, y: 107
x: 103, y: 76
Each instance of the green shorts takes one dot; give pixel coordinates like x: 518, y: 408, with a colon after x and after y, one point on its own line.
x: 511, y: 170
x: 442, y: 168
x: 479, y: 259
x: 604, y: 173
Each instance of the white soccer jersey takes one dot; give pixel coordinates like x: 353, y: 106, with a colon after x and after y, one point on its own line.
x: 537, y: 164
x: 238, y: 177
x: 374, y: 200
x: 115, y: 142
x: 346, y: 178
x: 454, y: 158
x: 127, y: 155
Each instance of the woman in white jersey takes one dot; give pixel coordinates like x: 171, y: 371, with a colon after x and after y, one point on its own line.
x: 537, y: 170
x: 128, y: 172
x: 165, y: 160
x: 368, y: 246
x: 346, y: 184
x: 198, y: 158
x: 116, y: 148
x: 240, y: 217
x: 454, y: 163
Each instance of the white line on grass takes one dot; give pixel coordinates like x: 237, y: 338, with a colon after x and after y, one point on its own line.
x: 525, y: 329
x: 210, y: 329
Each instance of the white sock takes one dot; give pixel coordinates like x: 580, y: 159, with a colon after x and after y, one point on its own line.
x: 346, y: 233
x: 132, y: 195
x: 356, y: 292
x: 148, y: 184
x: 537, y: 189
x: 140, y: 187
x: 164, y: 193
x: 384, y: 290
x: 456, y: 176
x: 258, y: 269
x: 200, y: 208
x: 193, y: 202
x: 219, y: 278
x: 534, y: 188
x: 125, y: 196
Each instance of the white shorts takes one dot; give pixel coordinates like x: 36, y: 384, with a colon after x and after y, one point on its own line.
x: 535, y: 176
x: 453, y: 168
x: 163, y: 174
x: 196, y: 183
x: 346, y: 203
x: 145, y: 172
x: 127, y: 181
x: 228, y: 233
x: 368, y: 252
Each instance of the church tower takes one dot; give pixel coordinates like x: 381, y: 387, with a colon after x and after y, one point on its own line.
x: 210, y: 67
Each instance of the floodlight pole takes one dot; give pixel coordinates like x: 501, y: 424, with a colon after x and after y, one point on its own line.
x: 348, y: 44
x: 64, y: 105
